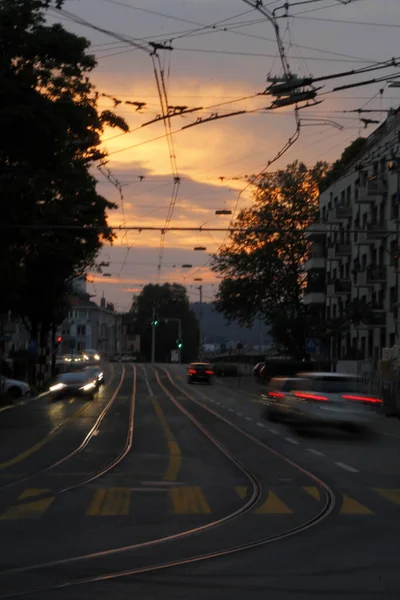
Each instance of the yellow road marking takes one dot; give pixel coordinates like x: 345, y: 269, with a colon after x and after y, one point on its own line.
x: 188, y: 500
x: 241, y: 491
x: 273, y: 506
x: 110, y: 502
x: 351, y: 506
x: 175, y: 457
x: 28, y: 510
x: 390, y: 494
x: 41, y: 443
x: 312, y: 491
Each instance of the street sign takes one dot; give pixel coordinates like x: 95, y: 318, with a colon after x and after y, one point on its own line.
x: 312, y: 346
x: 174, y: 356
x: 32, y: 346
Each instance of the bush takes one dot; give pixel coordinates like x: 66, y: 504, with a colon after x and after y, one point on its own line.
x: 225, y: 370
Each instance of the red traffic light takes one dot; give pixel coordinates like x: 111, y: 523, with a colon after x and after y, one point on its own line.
x: 59, y: 339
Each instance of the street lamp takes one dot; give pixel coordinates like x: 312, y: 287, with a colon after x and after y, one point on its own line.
x: 187, y: 266
x: 223, y: 212
x: 106, y: 274
x: 200, y: 248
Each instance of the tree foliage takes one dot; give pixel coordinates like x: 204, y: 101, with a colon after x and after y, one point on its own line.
x: 51, y: 132
x: 170, y: 302
x: 339, y: 167
x: 262, y: 268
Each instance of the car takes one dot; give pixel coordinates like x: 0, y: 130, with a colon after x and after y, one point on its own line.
x: 257, y: 369
x: 326, y: 399
x: 273, y: 398
x: 14, y: 389
x: 70, y: 358
x: 91, y: 355
x: 97, y: 373
x: 82, y: 383
x: 200, y: 372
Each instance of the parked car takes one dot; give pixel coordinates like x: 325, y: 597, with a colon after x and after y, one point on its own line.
x: 200, y: 372
x: 82, y: 383
x: 14, y: 388
x: 317, y: 399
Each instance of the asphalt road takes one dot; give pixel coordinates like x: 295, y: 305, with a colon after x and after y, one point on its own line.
x: 163, y: 490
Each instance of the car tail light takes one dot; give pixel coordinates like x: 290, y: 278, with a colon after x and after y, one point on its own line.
x: 209, y: 372
x: 366, y: 399
x: 305, y: 396
x: 192, y: 371
x: 276, y: 394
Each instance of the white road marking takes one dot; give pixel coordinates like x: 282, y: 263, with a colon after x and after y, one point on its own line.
x: 346, y: 467
x: 273, y: 431
x: 317, y: 452
x: 260, y: 424
x: 231, y: 409
x: 239, y: 414
x: 248, y: 419
x: 292, y: 441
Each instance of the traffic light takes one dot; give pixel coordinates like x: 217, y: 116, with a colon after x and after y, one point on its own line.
x: 155, y: 321
x: 59, y: 339
x: 179, y: 343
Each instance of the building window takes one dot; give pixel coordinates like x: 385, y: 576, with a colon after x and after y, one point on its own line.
x: 394, y: 207
x: 81, y: 330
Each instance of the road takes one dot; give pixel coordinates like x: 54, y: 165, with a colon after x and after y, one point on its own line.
x: 164, y: 490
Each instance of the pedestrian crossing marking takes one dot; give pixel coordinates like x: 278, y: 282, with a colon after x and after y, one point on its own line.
x: 241, y: 491
x: 351, y: 506
x: 188, y: 500
x: 312, y: 491
x: 110, y: 502
x: 390, y: 494
x: 273, y: 506
x: 29, y: 510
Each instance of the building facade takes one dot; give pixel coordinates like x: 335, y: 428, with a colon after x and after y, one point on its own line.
x: 89, y: 325
x: 353, y: 267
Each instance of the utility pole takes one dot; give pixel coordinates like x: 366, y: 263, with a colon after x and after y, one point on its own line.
x: 201, y: 323
x: 153, y: 336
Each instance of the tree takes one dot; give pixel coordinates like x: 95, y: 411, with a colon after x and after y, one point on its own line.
x: 262, y: 266
x: 170, y: 302
x: 51, y: 133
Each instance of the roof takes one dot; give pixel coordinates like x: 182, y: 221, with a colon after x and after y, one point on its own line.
x: 316, y: 374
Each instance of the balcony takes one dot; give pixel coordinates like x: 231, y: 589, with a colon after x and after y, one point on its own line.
x: 376, y: 274
x: 377, y: 319
x: 317, y: 232
x: 374, y: 189
x: 376, y: 230
x: 342, y: 211
x: 343, y: 249
x: 314, y: 293
x: 316, y: 260
x: 339, y: 287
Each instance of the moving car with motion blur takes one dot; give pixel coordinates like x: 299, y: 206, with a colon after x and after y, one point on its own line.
x: 200, y: 373
x: 318, y: 399
x: 75, y: 383
x: 97, y: 372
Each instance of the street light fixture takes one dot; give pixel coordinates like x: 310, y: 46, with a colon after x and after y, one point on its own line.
x: 223, y: 212
x: 187, y: 266
x: 200, y: 248
x: 106, y: 274
x: 197, y: 279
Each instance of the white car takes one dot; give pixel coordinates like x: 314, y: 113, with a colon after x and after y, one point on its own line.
x: 14, y: 389
x: 324, y: 399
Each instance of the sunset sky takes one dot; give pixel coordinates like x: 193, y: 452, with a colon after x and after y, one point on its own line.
x: 207, y: 66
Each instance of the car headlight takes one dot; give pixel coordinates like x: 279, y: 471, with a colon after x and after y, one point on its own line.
x: 57, y: 387
x: 88, y: 386
x: 96, y: 356
x: 85, y: 356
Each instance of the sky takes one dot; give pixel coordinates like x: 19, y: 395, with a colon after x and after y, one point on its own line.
x: 222, y: 53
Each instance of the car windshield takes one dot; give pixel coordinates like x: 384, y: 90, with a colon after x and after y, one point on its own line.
x: 75, y: 377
